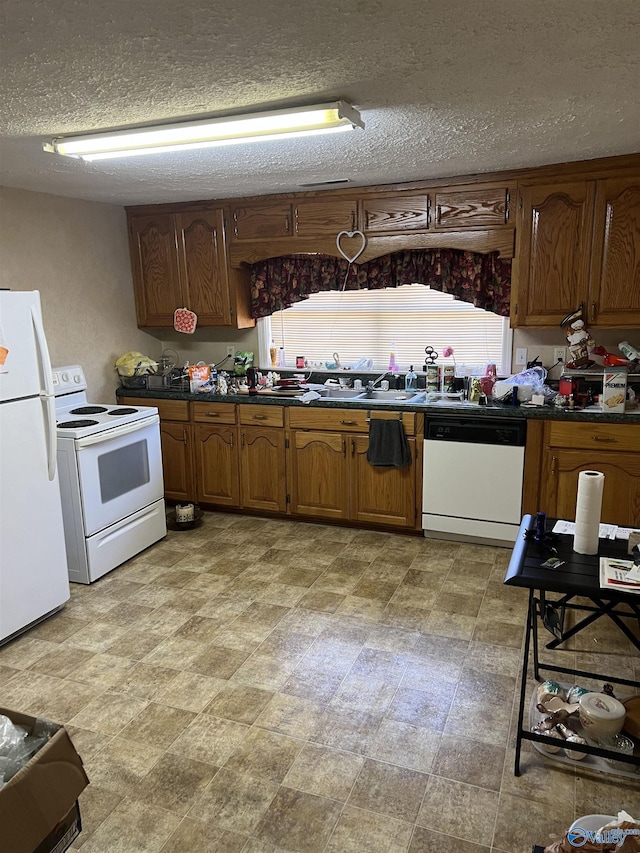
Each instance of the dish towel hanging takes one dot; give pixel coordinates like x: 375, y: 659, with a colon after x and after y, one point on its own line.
x: 388, y: 445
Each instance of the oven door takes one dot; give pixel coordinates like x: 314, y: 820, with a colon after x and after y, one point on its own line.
x: 120, y: 472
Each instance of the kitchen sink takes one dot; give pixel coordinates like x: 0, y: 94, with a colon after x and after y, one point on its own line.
x: 392, y: 397
x: 339, y: 393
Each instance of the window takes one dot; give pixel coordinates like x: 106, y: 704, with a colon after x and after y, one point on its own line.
x: 365, y: 323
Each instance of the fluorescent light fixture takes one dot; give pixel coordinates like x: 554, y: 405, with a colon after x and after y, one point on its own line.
x: 183, y: 136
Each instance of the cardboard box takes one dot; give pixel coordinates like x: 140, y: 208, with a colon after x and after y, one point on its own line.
x: 40, y: 799
x: 614, y: 389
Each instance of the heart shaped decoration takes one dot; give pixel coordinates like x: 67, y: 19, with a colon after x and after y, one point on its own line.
x: 351, y: 234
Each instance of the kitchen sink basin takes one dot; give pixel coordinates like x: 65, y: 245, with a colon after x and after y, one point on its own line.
x: 339, y: 393
x: 393, y: 397
x: 450, y: 403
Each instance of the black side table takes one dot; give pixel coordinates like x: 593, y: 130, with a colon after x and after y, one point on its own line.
x: 577, y: 578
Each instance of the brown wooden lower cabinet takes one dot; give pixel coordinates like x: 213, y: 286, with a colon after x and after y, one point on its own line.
x: 319, y: 474
x: 216, y: 464
x: 613, y: 449
x: 331, y: 478
x: 177, y: 447
x: 263, y: 482
x: 381, y: 495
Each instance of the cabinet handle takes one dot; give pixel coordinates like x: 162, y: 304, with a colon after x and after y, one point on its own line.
x: 353, y: 447
x: 241, y: 439
x: 349, y: 423
x: 259, y: 417
x: 594, y: 311
x: 287, y: 224
x: 603, y: 438
x: 295, y: 215
x: 231, y: 437
x: 353, y: 220
x: 554, y: 459
x: 184, y: 437
x: 428, y: 211
x: 213, y: 414
x: 439, y: 214
x: 507, y: 210
x: 344, y: 448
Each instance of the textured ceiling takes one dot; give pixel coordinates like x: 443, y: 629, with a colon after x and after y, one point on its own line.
x: 445, y: 87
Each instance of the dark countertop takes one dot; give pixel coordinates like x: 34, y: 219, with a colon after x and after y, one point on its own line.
x: 493, y: 410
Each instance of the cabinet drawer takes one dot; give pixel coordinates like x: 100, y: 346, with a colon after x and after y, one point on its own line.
x: 480, y: 207
x: 593, y: 435
x: 272, y: 416
x: 214, y: 413
x: 169, y: 410
x: 345, y: 420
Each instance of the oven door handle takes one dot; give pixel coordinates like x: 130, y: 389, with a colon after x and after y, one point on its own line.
x: 116, y: 432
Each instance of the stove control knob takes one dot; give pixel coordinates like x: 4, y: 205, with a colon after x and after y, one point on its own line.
x: 65, y: 377
x: 77, y: 379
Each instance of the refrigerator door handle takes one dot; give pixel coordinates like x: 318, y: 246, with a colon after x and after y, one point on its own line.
x: 43, y: 352
x: 49, y: 404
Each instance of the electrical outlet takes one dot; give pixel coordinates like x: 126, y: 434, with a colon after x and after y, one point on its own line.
x: 521, y: 355
x: 231, y: 350
x: 559, y: 354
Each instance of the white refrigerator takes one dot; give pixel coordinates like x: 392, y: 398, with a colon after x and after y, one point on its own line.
x: 33, y: 562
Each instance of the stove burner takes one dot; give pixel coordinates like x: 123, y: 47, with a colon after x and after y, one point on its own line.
x: 118, y: 412
x: 78, y: 424
x: 88, y: 410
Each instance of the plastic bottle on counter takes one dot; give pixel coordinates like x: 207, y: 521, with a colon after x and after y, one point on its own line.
x: 282, y: 361
x: 411, y: 380
x: 273, y: 354
x: 628, y: 350
x: 393, y: 366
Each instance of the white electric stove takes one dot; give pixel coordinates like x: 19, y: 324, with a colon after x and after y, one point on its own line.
x: 111, y: 483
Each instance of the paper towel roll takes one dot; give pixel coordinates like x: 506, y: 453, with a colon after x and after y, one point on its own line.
x: 588, y: 507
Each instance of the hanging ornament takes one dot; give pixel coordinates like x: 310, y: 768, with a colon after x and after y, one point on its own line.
x: 185, y: 321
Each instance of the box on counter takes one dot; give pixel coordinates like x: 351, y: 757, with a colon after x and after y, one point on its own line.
x: 38, y: 806
x: 614, y: 389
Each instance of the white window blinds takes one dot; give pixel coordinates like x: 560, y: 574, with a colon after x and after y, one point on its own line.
x: 367, y: 323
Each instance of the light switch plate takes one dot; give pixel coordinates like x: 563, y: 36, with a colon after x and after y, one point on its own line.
x: 521, y: 355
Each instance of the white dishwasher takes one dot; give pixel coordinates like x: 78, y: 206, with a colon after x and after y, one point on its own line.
x: 472, y: 478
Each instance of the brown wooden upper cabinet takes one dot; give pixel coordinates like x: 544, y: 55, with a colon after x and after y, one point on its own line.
x: 577, y: 244
x: 314, y: 216
x: 179, y: 260
x: 394, y: 213
x: 459, y: 208
x: 154, y: 262
x: 262, y: 221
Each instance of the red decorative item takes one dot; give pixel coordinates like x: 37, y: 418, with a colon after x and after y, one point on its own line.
x: 185, y: 321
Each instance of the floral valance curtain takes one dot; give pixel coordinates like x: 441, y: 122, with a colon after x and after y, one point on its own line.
x: 483, y: 280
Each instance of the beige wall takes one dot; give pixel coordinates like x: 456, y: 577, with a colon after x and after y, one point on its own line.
x: 76, y: 254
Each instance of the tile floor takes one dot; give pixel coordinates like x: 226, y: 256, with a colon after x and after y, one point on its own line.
x: 270, y: 686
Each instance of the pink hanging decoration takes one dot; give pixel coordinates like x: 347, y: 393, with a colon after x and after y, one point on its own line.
x: 185, y: 321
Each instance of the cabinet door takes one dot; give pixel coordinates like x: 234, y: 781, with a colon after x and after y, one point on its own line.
x: 177, y: 461
x: 263, y: 482
x: 621, y: 496
x: 154, y: 262
x: 381, y: 495
x: 203, y: 266
x: 481, y: 207
x: 392, y: 214
x: 552, y: 252
x: 615, y: 268
x: 216, y: 456
x: 262, y: 221
x: 315, y: 216
x: 319, y: 474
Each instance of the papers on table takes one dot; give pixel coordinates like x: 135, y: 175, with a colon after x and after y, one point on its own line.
x: 606, y: 531
x: 620, y: 575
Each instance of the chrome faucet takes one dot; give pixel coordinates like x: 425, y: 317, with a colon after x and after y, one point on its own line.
x: 371, y: 385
